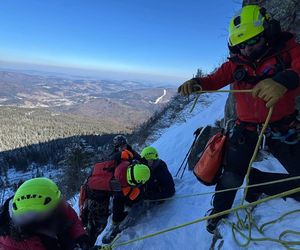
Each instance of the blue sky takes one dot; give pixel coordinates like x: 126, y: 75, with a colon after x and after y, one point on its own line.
x: 146, y: 38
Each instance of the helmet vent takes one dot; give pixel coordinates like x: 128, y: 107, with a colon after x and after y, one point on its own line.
x: 237, y: 21
x: 14, y: 206
x: 47, y: 200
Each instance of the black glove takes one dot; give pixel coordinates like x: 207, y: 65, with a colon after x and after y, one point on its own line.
x: 189, y: 87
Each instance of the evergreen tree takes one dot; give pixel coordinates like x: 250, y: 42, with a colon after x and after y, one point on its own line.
x: 78, y: 157
x: 199, y: 73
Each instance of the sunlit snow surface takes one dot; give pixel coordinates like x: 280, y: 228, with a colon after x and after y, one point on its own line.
x: 172, y: 146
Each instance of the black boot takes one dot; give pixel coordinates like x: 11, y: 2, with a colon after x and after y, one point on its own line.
x: 214, y: 222
x: 254, y: 193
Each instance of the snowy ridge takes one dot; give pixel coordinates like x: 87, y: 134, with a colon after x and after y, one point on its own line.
x: 172, y: 146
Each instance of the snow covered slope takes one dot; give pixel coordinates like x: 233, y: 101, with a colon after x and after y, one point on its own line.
x: 172, y: 145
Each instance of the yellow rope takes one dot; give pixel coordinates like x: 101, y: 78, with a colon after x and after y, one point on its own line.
x: 217, y: 91
x: 240, y: 223
x: 226, y: 190
x: 225, y: 91
x: 251, y: 223
x: 283, y: 194
x: 256, y: 149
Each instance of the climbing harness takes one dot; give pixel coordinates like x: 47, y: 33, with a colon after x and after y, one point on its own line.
x: 291, y: 137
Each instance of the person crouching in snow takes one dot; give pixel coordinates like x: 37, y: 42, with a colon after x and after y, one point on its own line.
x: 266, y: 61
x: 161, y: 183
x: 37, y: 218
x: 129, y: 179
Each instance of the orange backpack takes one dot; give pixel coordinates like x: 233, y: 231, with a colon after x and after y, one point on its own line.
x: 208, y: 167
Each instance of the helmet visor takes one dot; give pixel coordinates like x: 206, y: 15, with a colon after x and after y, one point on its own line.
x: 250, y: 42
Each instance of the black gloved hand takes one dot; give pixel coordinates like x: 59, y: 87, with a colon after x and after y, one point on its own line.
x: 189, y: 87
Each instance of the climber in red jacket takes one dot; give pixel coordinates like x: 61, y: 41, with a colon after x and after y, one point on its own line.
x: 37, y: 218
x: 120, y: 181
x: 267, y: 61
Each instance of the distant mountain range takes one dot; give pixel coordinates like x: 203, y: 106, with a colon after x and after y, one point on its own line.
x: 31, y: 91
x: 112, y: 106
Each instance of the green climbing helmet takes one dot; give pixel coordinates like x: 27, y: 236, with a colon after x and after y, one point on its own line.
x: 138, y: 174
x: 35, y: 197
x: 246, y: 24
x: 149, y: 153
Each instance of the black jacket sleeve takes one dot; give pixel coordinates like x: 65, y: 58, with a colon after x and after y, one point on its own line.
x: 161, y: 185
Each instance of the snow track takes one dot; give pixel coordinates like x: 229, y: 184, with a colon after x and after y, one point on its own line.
x: 161, y: 97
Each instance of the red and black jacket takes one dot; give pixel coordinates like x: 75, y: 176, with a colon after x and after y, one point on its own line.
x: 71, y: 232
x: 281, y: 62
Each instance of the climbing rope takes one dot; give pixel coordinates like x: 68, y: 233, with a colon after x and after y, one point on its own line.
x: 217, y: 91
x: 256, y: 150
x: 248, y: 238
x: 242, y: 224
x: 226, y: 190
x: 283, y: 194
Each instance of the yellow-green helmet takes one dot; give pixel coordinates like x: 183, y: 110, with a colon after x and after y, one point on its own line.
x: 138, y: 174
x: 247, y: 23
x: 149, y: 153
x: 35, y: 198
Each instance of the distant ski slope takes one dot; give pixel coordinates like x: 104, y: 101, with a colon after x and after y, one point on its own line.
x: 161, y: 97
